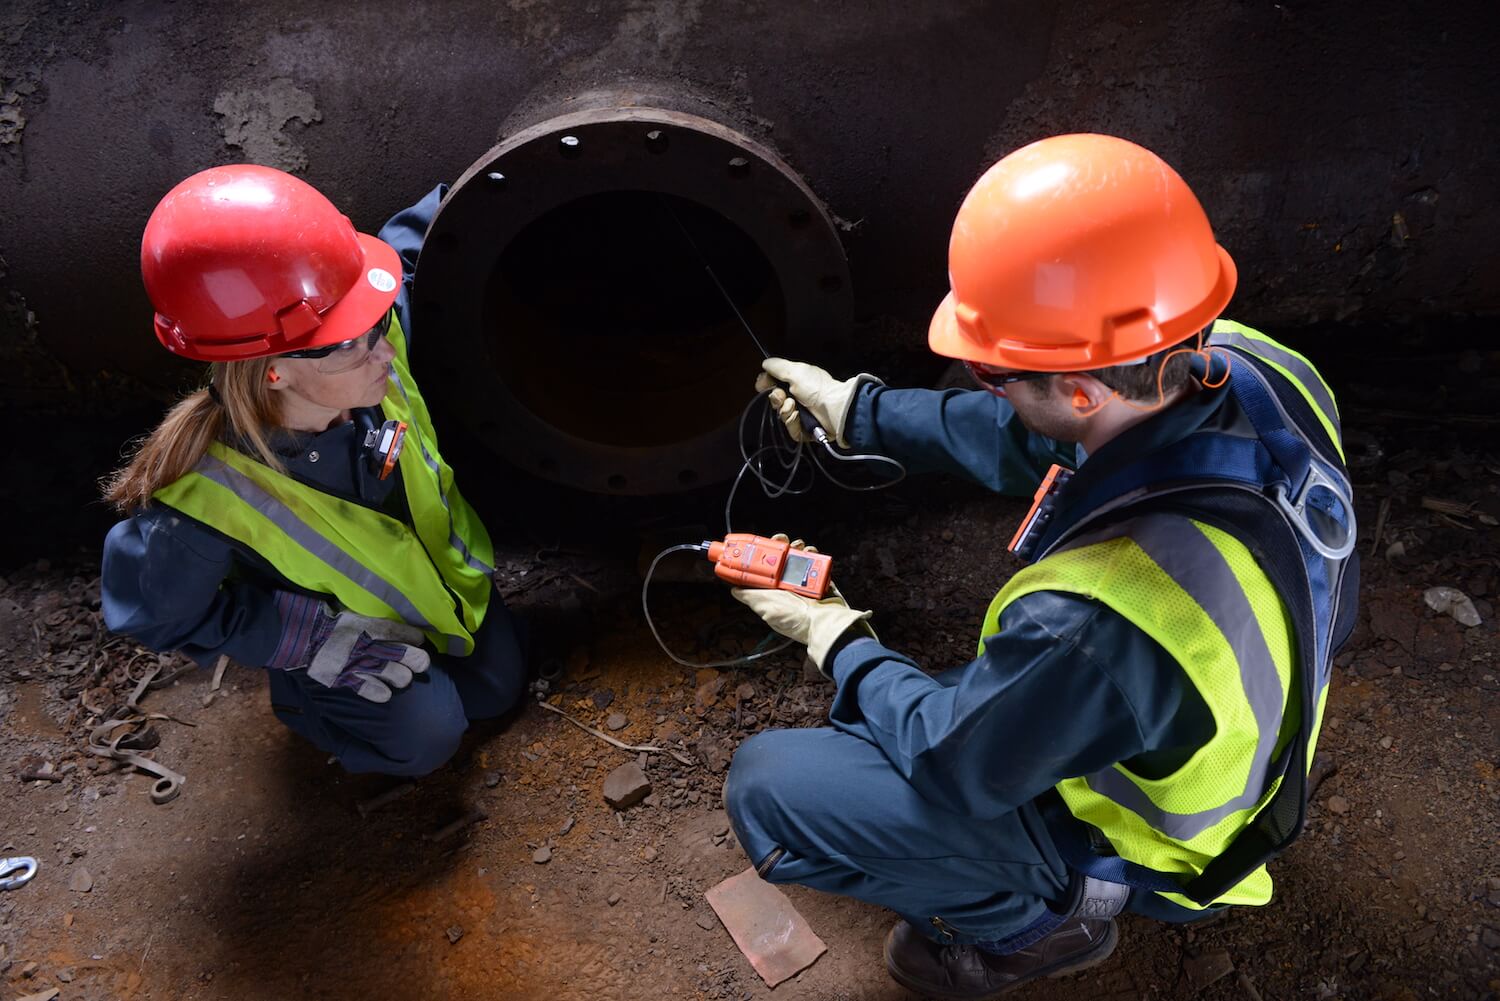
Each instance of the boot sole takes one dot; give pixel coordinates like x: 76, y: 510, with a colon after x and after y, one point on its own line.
x: 1062, y: 968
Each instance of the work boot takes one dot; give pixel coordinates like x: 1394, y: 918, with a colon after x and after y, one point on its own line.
x: 919, y: 964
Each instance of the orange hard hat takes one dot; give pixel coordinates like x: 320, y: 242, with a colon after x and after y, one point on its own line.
x: 245, y: 261
x: 1078, y: 252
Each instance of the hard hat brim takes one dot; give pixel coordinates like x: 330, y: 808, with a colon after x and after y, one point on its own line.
x: 367, y: 299
x: 945, y: 337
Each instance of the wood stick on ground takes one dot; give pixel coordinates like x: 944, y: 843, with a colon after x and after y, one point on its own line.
x: 219, y: 667
x: 1447, y: 507
x: 369, y: 806
x: 1385, y: 511
x: 648, y: 748
x: 474, y: 816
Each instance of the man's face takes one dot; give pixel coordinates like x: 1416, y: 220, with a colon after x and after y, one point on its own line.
x: 1042, y: 402
x: 1045, y: 406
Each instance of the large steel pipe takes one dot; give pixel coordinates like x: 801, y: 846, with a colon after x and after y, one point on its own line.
x: 600, y: 280
x: 1343, y: 149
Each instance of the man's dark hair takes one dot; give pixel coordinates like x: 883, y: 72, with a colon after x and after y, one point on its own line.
x: 1139, y: 382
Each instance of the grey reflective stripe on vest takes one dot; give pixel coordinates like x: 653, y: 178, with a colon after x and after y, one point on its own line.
x: 1186, y: 555
x: 315, y: 543
x: 454, y: 540
x: 1300, y: 370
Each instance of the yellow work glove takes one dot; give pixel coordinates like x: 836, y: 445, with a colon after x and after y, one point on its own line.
x: 829, y: 400
x: 818, y: 624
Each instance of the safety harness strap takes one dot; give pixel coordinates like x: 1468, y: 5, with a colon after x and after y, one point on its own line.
x: 1234, y: 497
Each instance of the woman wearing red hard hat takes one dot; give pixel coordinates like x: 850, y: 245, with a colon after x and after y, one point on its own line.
x: 295, y: 513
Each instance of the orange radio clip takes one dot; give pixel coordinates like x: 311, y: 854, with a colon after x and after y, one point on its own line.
x: 384, y: 445
x: 755, y: 561
x: 1043, y: 506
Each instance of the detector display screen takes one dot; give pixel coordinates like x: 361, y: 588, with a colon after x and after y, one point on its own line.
x: 795, y: 571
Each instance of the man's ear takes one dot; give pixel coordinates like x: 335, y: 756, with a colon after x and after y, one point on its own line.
x: 1086, y: 394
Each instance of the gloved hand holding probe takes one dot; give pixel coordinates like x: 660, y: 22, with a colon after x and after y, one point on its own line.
x: 827, y: 399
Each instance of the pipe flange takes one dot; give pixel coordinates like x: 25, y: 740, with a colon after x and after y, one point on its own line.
x: 632, y: 411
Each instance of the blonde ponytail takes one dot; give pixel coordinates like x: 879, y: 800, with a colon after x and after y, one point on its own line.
x: 235, y: 407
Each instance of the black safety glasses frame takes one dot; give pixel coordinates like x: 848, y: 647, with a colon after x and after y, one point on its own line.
x: 996, y: 382
x: 370, y: 336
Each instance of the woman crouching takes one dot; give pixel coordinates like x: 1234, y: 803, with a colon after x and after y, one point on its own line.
x: 296, y: 513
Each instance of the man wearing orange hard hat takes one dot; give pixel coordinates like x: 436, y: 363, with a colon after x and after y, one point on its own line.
x: 1136, y: 729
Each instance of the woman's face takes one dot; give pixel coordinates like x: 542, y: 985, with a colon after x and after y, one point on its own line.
x: 353, y: 375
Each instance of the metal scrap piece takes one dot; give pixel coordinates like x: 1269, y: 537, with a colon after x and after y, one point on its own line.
x: 776, y: 940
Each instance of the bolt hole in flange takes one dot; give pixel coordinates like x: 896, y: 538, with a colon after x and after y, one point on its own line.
x: 581, y: 300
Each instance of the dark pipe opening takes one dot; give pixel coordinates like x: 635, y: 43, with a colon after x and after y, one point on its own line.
x: 605, y: 323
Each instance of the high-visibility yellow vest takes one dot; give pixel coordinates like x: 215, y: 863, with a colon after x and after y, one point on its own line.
x: 1199, y: 593
x: 435, y: 574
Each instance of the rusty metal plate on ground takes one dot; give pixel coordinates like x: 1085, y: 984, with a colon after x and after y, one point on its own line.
x: 767, y: 928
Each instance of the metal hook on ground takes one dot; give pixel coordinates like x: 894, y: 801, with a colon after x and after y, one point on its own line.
x: 25, y: 865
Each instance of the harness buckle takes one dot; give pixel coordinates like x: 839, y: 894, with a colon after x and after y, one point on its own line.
x: 1302, y: 517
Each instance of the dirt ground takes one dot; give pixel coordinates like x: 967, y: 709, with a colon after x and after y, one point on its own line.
x: 264, y: 880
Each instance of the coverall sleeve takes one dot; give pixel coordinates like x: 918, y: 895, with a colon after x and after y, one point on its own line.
x: 969, y: 433
x: 405, y: 231
x: 167, y: 583
x: 1066, y: 688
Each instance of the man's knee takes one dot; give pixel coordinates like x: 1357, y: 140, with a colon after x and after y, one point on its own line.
x: 750, y: 786
x: 773, y: 791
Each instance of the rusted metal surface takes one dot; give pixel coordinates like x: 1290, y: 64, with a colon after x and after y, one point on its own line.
x: 1342, y: 149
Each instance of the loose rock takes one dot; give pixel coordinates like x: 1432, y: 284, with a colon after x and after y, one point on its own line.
x: 614, y: 898
x: 1204, y: 968
x: 491, y: 779
x: 82, y: 881
x: 454, y: 934
x: 626, y: 786
x: 1338, y: 805
x: 1452, y: 601
x: 542, y: 855
x: 616, y: 721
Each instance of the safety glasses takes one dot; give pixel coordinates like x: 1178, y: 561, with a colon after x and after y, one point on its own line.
x: 996, y: 382
x: 345, y: 355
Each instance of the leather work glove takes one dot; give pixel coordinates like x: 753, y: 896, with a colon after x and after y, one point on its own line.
x: 346, y: 650
x: 829, y: 400
x: 817, y: 624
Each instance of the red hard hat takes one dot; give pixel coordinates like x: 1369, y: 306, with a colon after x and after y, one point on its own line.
x: 245, y: 261
x: 1078, y: 252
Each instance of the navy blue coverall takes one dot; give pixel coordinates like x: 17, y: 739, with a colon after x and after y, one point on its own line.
x: 923, y: 795
x: 173, y: 583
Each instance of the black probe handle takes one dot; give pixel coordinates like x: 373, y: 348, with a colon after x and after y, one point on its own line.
x: 810, y: 425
